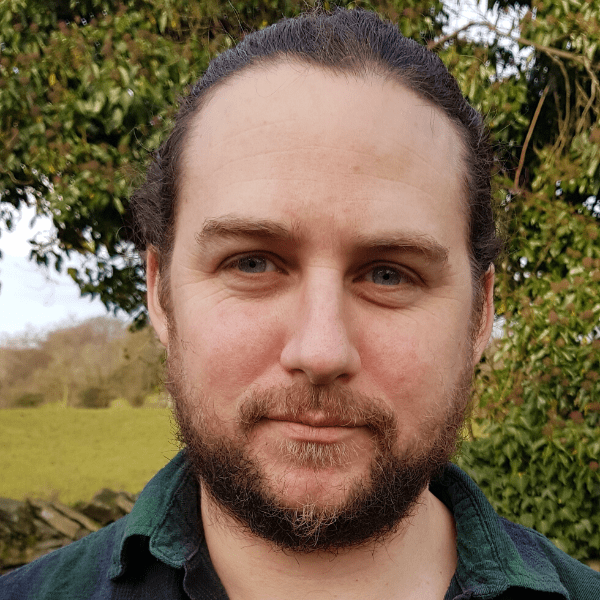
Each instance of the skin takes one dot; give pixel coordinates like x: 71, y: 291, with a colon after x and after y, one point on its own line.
x: 321, y: 238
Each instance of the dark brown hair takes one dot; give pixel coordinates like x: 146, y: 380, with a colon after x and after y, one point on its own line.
x: 356, y: 42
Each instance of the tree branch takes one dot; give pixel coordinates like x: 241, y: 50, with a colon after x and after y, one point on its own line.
x: 432, y: 44
x: 528, y: 137
x: 563, y: 127
x: 581, y: 59
x: 14, y: 179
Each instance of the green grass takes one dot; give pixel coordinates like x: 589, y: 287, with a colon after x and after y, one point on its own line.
x: 68, y: 454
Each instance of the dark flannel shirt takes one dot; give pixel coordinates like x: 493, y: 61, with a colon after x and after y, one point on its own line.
x: 158, y: 552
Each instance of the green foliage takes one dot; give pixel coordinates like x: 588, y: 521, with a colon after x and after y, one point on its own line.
x: 547, y: 481
x: 539, y: 387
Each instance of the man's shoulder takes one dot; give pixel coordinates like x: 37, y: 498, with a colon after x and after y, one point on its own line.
x: 496, y: 556
x: 538, y: 552
x: 79, y: 570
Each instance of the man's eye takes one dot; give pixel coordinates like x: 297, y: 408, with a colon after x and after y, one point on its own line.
x: 386, y: 276
x: 253, y: 264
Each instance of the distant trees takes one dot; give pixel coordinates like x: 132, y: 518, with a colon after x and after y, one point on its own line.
x: 88, y: 364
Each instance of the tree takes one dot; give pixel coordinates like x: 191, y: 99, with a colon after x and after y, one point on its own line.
x: 89, y: 363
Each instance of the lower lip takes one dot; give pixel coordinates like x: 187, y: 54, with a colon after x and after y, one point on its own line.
x: 307, y: 433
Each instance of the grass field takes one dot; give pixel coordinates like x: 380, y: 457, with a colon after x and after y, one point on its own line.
x: 68, y: 454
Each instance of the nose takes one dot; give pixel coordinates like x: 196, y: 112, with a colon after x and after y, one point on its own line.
x: 319, y: 343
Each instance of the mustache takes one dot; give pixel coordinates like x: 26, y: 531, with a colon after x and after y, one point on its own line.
x: 350, y: 408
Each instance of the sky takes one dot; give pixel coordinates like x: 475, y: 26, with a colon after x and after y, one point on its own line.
x: 34, y: 299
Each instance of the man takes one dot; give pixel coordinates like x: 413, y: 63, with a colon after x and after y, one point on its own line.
x: 319, y: 244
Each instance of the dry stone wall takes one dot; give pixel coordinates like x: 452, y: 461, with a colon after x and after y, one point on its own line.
x: 31, y: 528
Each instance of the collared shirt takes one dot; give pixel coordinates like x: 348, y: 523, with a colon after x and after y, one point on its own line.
x: 158, y: 551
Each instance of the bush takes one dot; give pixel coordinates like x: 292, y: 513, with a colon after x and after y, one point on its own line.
x: 549, y: 482
x: 538, y: 390
x: 137, y: 401
x: 94, y: 397
x: 29, y: 400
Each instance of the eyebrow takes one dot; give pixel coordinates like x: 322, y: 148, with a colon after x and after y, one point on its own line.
x: 413, y: 243
x: 232, y: 227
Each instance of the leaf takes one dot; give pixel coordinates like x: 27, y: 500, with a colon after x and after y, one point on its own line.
x: 162, y: 22
x: 98, y: 102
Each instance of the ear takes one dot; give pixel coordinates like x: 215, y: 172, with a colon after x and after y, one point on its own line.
x: 158, y: 318
x: 487, y: 316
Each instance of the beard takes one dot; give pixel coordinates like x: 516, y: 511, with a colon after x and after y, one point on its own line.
x: 374, y: 504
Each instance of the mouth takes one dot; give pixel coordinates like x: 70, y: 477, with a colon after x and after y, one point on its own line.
x: 316, y: 419
x: 315, y: 427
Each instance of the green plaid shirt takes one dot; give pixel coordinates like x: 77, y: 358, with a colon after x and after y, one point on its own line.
x: 158, y: 552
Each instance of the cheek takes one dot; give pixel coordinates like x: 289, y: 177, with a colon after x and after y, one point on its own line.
x: 230, y: 347
x: 397, y: 368
x: 410, y: 365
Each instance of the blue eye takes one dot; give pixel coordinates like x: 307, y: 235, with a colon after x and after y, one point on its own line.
x: 385, y: 276
x: 252, y: 264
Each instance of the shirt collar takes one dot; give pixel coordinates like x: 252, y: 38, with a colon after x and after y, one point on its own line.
x: 166, y: 513
x: 490, y: 560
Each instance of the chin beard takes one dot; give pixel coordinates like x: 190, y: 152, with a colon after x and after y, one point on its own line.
x: 374, y: 506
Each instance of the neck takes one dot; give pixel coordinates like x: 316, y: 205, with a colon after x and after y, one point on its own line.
x: 418, y: 561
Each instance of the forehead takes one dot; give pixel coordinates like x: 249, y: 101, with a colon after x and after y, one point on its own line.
x: 288, y: 139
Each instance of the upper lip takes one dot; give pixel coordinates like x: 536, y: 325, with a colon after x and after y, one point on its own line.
x: 315, y: 420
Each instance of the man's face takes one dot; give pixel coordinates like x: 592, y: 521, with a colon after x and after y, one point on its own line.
x: 320, y: 285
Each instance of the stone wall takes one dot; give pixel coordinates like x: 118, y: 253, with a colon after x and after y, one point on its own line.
x: 31, y: 528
